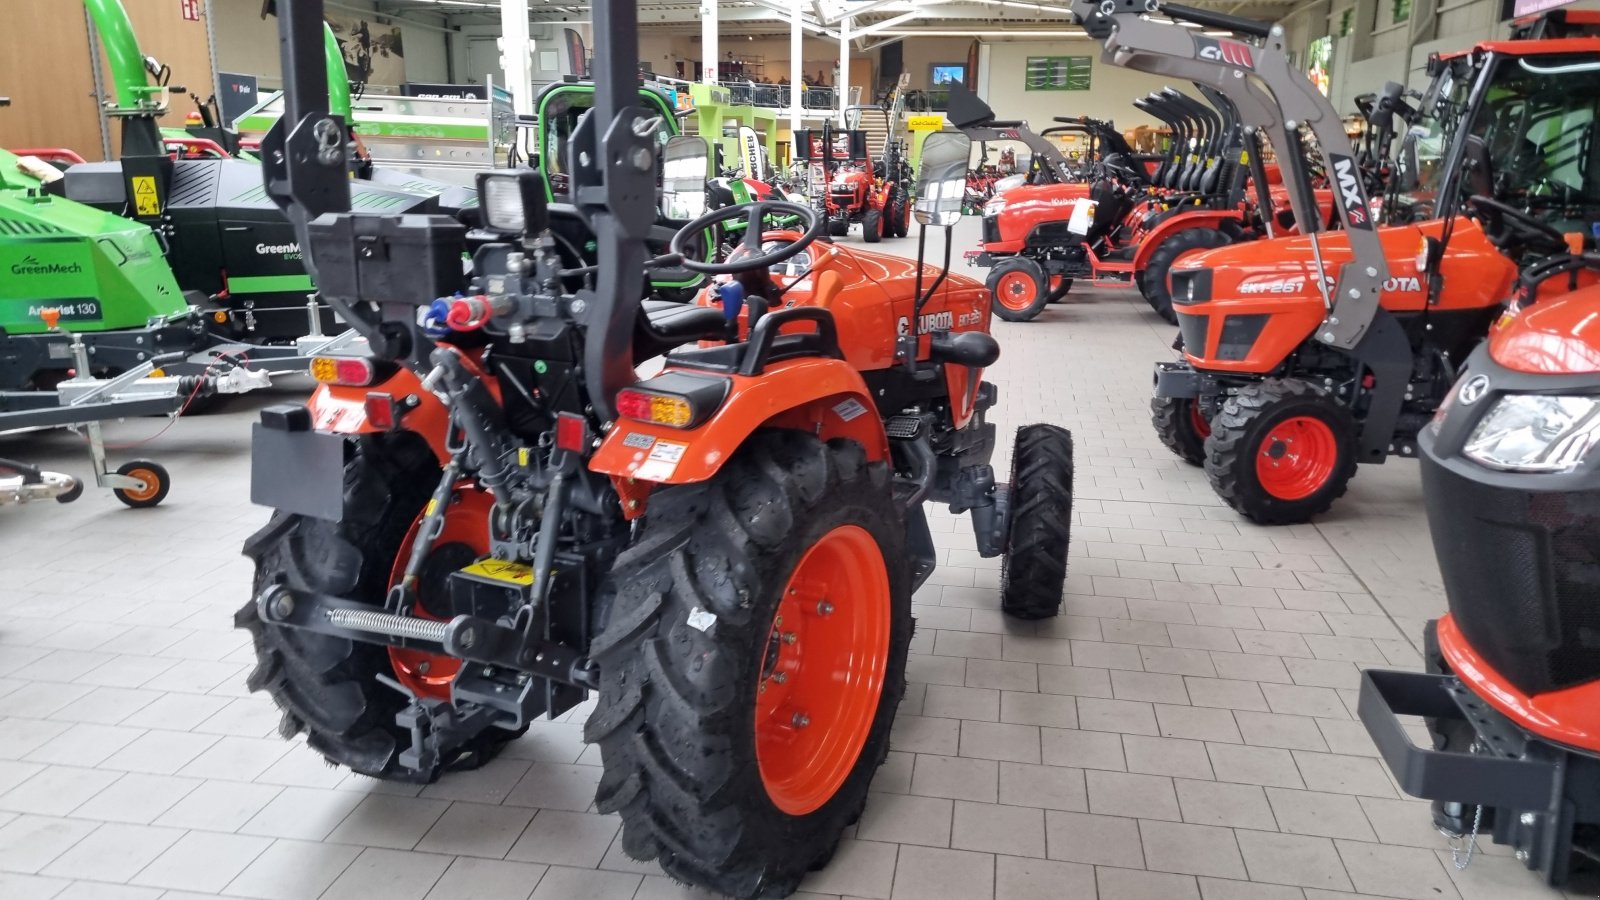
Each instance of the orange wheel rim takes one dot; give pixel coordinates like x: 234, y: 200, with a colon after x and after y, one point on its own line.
x: 1015, y: 290
x: 823, y: 670
x: 152, y: 485
x: 466, y: 522
x: 1198, y: 421
x: 1297, y: 457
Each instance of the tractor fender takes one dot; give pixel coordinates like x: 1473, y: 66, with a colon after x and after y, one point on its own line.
x: 1208, y: 218
x: 826, y: 397
x: 339, y: 409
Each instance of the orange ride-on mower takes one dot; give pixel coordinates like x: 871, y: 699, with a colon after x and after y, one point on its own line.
x: 494, y: 515
x: 1511, y: 692
x: 1305, y: 356
x: 847, y: 188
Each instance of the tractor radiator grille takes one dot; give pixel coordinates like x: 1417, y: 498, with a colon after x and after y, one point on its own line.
x: 1522, y: 573
x: 991, y: 229
x: 1194, y: 331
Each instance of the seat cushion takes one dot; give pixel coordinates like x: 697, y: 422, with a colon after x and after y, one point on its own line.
x: 664, y: 325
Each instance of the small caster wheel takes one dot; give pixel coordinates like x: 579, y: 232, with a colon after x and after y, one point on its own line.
x: 156, y: 483
x: 75, y: 493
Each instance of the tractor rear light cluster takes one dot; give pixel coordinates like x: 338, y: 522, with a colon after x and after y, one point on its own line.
x: 674, y: 399
x: 350, y: 371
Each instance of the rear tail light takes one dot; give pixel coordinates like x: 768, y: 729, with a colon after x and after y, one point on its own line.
x: 349, y: 371
x: 674, y: 399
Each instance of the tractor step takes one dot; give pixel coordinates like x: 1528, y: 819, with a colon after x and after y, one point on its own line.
x: 903, y: 427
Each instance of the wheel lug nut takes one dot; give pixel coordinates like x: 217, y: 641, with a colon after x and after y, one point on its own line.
x: 824, y: 608
x: 780, y: 677
x: 801, y: 720
x: 790, y: 637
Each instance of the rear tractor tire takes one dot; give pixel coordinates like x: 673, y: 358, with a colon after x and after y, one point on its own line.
x: 1017, y: 288
x: 1156, y: 285
x: 751, y: 662
x: 872, y: 226
x: 327, y: 686
x: 1281, y: 451
x: 1181, y: 426
x: 1034, y: 569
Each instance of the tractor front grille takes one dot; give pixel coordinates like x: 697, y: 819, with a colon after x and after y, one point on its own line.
x: 991, y: 229
x: 1194, y: 330
x: 1522, y: 573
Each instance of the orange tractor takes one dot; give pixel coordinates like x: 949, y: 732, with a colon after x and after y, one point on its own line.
x: 848, y: 187
x: 493, y: 514
x: 1511, y: 695
x: 1304, y: 356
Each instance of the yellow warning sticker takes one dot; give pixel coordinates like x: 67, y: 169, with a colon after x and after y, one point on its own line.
x: 501, y: 570
x: 146, y: 202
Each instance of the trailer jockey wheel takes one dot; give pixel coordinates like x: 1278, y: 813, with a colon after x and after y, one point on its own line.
x: 1281, y: 451
x: 1017, y: 286
x: 156, y: 484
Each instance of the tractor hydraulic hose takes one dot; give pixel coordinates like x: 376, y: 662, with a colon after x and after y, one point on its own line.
x: 122, y: 50
x: 338, y: 76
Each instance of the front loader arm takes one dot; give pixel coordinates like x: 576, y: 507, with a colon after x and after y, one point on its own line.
x: 1271, y: 97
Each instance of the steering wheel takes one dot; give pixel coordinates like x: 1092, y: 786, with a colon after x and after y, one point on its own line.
x: 1511, y: 226
x: 753, y: 257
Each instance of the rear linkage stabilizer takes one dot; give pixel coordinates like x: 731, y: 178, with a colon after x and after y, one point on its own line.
x: 1534, y: 795
x: 529, y: 666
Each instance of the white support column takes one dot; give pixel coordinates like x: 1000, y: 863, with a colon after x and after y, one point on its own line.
x: 797, y: 71
x: 710, y: 52
x: 516, y: 53
x: 843, y: 85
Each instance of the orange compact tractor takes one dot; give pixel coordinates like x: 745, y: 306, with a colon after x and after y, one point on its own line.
x: 493, y: 514
x: 1511, y: 695
x: 848, y: 187
x: 1306, y: 355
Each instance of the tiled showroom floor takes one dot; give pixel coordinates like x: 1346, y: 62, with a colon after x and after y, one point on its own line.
x: 1184, y: 730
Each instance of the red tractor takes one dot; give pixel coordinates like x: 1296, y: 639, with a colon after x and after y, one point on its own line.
x: 1131, y: 222
x: 1511, y: 692
x: 848, y: 187
x: 493, y: 514
x: 1305, y: 356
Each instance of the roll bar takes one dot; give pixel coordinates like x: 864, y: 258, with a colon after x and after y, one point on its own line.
x: 1274, y: 98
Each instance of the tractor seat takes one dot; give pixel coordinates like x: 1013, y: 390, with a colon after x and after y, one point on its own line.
x: 664, y: 324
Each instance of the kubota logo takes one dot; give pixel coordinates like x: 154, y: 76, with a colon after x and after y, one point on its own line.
x: 287, y: 251
x: 1355, y: 205
x: 1231, y: 52
x: 31, y: 265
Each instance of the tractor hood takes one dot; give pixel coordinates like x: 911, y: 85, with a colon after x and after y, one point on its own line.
x: 1554, y: 337
x: 1033, y: 199
x: 1246, y: 307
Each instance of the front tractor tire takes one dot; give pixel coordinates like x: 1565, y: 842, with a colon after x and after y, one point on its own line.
x: 751, y: 664
x: 1281, y: 451
x: 328, y: 687
x: 1018, y: 289
x: 1034, y: 568
x: 1182, y: 427
x: 872, y: 226
x: 1156, y: 284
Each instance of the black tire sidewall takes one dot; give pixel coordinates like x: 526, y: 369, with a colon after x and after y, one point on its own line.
x: 1156, y: 287
x: 872, y: 226
x: 1171, y: 418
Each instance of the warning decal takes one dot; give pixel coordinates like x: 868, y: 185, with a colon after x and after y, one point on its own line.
x: 145, y: 200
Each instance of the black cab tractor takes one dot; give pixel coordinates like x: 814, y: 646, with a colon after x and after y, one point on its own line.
x: 494, y: 514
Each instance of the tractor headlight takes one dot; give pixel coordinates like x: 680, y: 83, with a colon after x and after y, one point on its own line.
x: 512, y: 202
x: 994, y: 207
x: 1536, y: 433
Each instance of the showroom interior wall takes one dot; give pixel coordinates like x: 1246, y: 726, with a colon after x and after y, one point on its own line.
x: 248, y: 44
x: 1110, y: 95
x: 51, y: 83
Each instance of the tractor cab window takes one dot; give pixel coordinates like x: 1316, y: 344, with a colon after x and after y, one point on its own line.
x: 1536, y: 123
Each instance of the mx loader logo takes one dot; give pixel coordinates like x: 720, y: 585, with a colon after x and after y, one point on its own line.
x: 1348, y: 179
x: 31, y: 265
x: 1231, y: 52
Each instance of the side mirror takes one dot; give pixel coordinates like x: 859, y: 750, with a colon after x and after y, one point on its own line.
x: 685, y: 162
x: 942, y: 178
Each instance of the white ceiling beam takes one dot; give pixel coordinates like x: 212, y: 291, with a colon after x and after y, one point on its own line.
x: 886, y: 24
